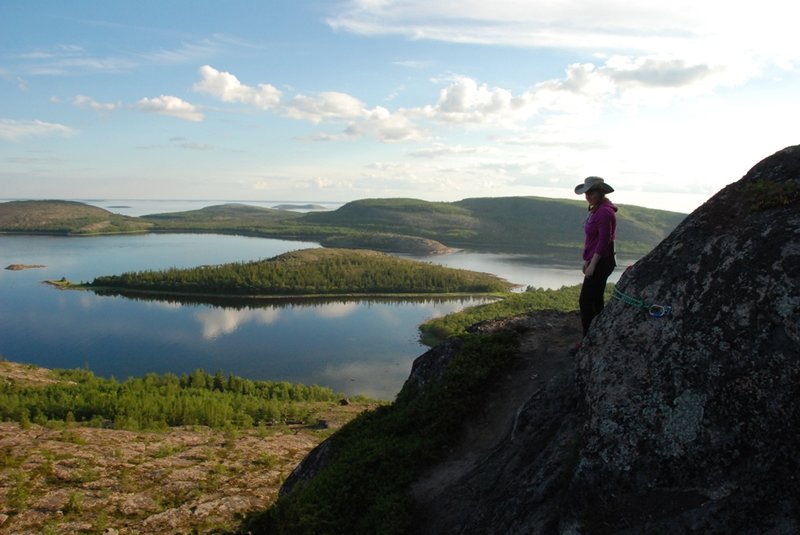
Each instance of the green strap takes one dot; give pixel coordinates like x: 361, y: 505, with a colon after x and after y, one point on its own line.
x: 628, y: 300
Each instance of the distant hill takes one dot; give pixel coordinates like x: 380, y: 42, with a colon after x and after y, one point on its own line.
x: 65, y: 217
x: 299, y: 207
x: 221, y: 214
x: 550, y: 228
x: 508, y: 224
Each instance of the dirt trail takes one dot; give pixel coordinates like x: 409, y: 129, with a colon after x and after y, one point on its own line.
x: 544, y: 351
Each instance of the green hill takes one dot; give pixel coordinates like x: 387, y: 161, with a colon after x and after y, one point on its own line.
x: 503, y: 224
x: 401, y: 216
x: 231, y: 215
x: 65, y: 217
x: 548, y: 225
x: 549, y: 228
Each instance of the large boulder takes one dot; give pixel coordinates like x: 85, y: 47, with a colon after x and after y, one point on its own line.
x: 693, y: 418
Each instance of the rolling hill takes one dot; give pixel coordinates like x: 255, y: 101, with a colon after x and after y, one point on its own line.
x: 549, y: 228
x: 65, y: 217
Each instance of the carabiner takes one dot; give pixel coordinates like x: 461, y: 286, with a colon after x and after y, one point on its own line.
x: 658, y: 311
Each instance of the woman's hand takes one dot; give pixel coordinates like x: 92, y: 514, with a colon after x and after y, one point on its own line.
x: 588, y: 267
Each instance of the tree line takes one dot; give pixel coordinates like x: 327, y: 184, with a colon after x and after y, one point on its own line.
x: 159, y: 401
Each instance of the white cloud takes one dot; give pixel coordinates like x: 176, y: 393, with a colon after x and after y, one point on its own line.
x: 82, y: 101
x: 327, y: 105
x: 70, y: 59
x: 712, y: 40
x: 646, y: 25
x: 171, y: 106
x: 13, y: 130
x: 227, y: 88
x: 441, y: 150
x: 390, y: 127
x: 466, y: 101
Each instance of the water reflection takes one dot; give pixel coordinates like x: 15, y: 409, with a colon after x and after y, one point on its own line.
x: 221, y: 321
x: 370, y: 378
x: 351, y: 345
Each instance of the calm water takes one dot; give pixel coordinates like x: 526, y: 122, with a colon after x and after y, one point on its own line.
x: 354, y: 347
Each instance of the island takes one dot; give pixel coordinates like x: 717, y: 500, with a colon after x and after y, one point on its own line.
x: 20, y: 267
x: 305, y: 273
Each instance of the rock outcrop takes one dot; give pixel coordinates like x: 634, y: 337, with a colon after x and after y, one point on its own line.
x: 683, y: 423
x: 687, y: 423
x: 692, y: 419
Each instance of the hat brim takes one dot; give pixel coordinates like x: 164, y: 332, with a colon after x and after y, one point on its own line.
x: 580, y: 189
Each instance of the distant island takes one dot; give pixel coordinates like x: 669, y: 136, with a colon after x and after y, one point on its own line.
x: 20, y: 267
x: 550, y: 229
x: 306, y: 273
x: 300, y: 207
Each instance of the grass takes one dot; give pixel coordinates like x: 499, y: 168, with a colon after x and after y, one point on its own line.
x: 564, y: 299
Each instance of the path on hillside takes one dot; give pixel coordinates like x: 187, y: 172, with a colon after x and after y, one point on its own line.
x: 546, y: 340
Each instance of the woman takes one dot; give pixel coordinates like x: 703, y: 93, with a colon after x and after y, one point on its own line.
x: 598, y: 247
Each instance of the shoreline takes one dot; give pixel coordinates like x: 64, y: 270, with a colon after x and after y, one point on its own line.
x: 106, y: 290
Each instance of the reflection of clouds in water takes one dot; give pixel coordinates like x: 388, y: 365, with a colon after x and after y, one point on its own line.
x: 87, y: 301
x: 335, y: 310
x: 217, y: 321
x: 163, y: 305
x: 90, y: 300
x: 379, y: 380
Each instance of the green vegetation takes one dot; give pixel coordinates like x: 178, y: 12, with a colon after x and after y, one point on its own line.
x: 550, y: 228
x: 564, y: 299
x: 65, y: 217
x: 310, y: 272
x: 158, y: 401
x: 384, y: 241
x: 554, y: 228
x: 363, y: 487
x: 766, y: 194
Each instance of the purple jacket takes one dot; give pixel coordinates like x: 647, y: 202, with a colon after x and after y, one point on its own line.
x: 601, y: 230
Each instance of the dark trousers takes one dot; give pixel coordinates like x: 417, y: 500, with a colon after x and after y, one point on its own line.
x: 591, y: 299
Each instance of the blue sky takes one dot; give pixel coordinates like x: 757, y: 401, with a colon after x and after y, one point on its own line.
x: 431, y: 99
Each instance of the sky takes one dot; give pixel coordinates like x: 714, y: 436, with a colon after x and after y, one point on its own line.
x: 440, y: 100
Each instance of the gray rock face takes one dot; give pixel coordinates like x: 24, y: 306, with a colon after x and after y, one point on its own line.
x: 692, y: 419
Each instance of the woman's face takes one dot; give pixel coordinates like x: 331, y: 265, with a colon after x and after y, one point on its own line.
x: 593, y: 196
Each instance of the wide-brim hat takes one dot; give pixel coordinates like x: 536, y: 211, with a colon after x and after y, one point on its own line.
x: 593, y: 182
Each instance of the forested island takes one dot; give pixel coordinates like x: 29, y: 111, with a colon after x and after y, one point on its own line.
x: 309, y: 272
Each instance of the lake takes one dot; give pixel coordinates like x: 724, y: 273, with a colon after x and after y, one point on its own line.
x: 353, y: 346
